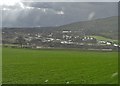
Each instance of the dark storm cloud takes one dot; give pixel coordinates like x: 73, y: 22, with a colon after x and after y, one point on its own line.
x: 52, y: 14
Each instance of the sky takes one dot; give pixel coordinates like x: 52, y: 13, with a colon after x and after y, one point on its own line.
x: 45, y: 14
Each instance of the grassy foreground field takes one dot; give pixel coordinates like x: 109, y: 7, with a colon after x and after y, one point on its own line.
x: 23, y: 66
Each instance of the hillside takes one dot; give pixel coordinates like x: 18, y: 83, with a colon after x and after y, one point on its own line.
x: 107, y: 27
x: 73, y: 34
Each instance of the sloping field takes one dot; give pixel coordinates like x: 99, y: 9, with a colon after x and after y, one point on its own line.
x: 23, y: 66
x: 105, y: 39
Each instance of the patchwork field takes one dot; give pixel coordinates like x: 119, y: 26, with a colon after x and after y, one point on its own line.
x: 23, y: 66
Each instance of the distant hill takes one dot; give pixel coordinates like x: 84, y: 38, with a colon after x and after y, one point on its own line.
x: 107, y: 27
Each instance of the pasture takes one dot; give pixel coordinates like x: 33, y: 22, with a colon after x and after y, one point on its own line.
x: 105, y: 39
x: 25, y: 66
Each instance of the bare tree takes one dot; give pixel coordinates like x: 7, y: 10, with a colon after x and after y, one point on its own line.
x: 20, y: 40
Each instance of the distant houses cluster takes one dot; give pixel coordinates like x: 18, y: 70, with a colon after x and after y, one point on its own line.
x: 65, y: 39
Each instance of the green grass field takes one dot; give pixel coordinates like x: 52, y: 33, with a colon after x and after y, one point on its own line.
x: 23, y: 66
x: 105, y: 39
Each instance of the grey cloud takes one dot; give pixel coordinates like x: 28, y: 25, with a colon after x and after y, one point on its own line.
x: 53, y: 13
